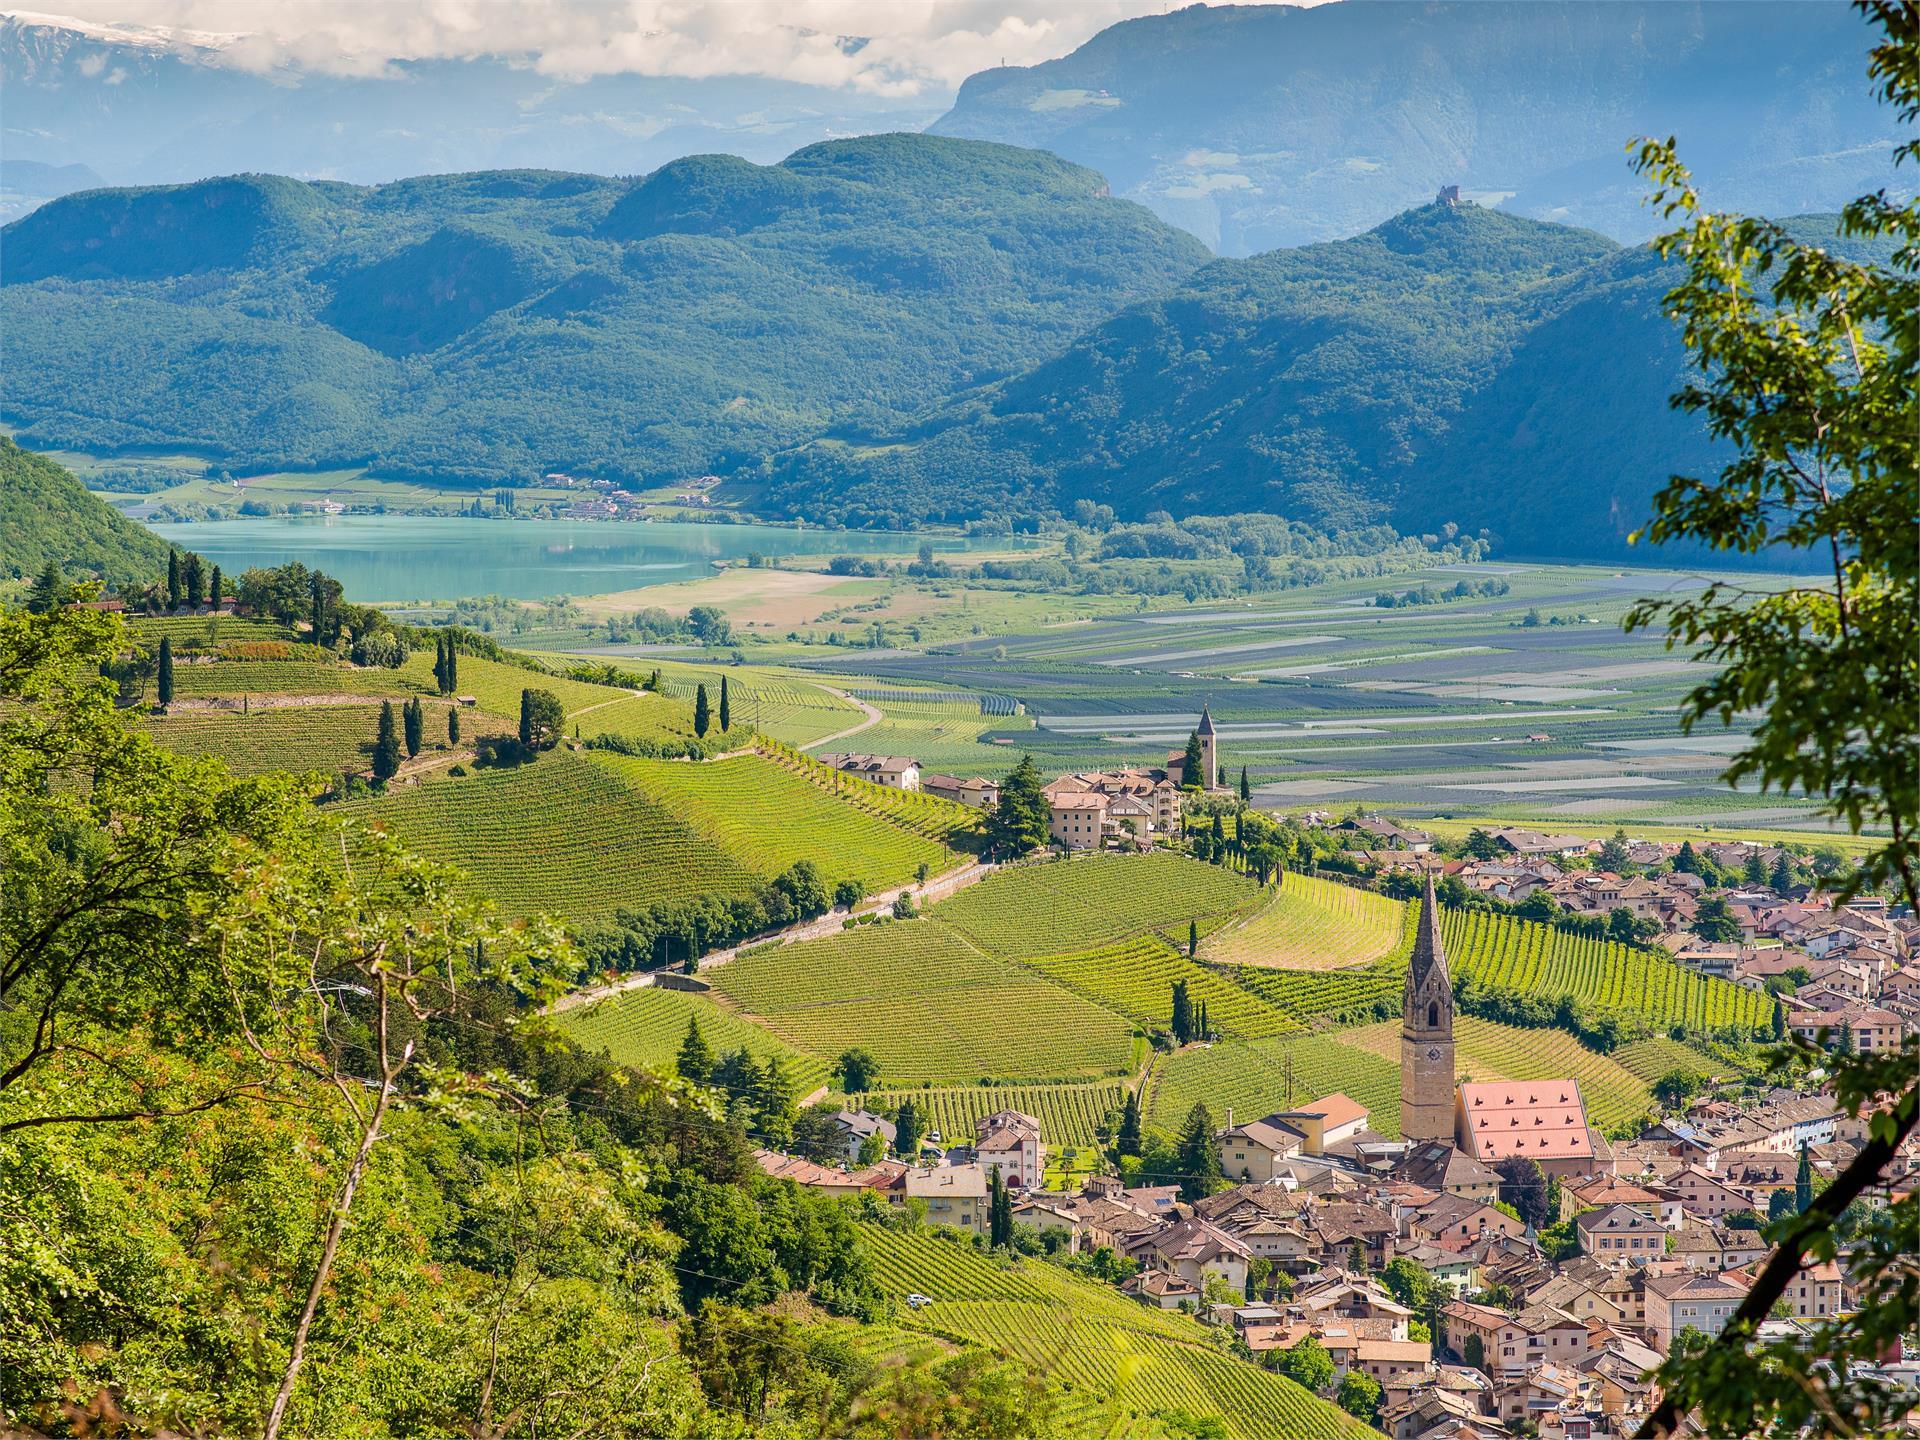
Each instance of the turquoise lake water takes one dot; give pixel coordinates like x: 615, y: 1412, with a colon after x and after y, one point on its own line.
x: 417, y: 557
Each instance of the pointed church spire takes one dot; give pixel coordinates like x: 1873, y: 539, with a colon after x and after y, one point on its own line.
x: 1206, y: 719
x: 1428, y: 952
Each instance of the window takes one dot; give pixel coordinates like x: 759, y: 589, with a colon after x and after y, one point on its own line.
x: 1433, y: 1015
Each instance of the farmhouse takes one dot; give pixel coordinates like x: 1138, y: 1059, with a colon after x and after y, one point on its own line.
x: 899, y: 772
x: 1008, y: 1143
x: 980, y: 794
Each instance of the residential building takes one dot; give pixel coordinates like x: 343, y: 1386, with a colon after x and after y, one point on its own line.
x: 1688, y: 1299
x: 1010, y: 1143
x: 978, y: 793
x: 1620, y: 1233
x: 899, y: 772
x: 955, y: 1195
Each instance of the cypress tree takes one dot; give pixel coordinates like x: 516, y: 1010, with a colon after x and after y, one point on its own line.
x: 996, y: 1200
x: 726, y: 709
x: 386, y: 745
x: 1803, y: 1183
x: 1193, y: 938
x: 1127, y: 1139
x: 1246, y: 790
x: 453, y: 725
x: 1206, y: 1026
x: 195, y: 574
x: 907, y: 1130
x: 1182, y: 1013
x: 166, y: 671
x: 1782, y: 879
x: 216, y: 588
x: 1779, y: 1018
x: 695, y: 1061
x: 702, y: 717
x: 453, y: 666
x: 440, y: 664
x: 412, y: 722
x: 173, y: 580
x: 1192, y: 764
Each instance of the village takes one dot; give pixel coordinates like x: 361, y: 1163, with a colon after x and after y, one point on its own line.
x: 1500, y: 1268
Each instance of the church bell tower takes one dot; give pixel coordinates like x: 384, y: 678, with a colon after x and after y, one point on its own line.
x: 1209, y: 752
x: 1426, y: 1034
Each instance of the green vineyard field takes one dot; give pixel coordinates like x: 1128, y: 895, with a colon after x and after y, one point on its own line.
x: 1313, y: 924
x: 767, y: 817
x: 1511, y: 954
x: 929, y: 1006
x: 1120, y: 1363
x: 298, y: 738
x: 1135, y: 977
x: 951, y: 825
x: 1326, y: 994
x: 1250, y: 1079
x: 1658, y: 1055
x: 1069, y: 1115
x: 1058, y: 907
x: 562, y: 835
x: 645, y: 1027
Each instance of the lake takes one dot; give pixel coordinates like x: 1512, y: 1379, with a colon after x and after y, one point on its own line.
x: 420, y: 557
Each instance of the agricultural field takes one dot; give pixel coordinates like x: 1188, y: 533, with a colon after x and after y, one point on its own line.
x: 1069, y: 1115
x: 563, y: 835
x: 944, y: 735
x: 297, y: 677
x: 1057, y: 907
x: 204, y: 630
x: 644, y: 1027
x: 1484, y: 1050
x: 929, y: 1006
x: 328, y: 738
x: 1250, y: 1079
x: 1336, y: 995
x: 1313, y: 924
x: 1659, y: 1055
x: 767, y: 817
x: 953, y: 825
x: 1120, y: 1363
x: 1135, y: 978
x: 1501, y: 951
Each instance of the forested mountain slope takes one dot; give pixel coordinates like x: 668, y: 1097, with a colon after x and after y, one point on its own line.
x: 46, y: 514
x: 1263, y: 125
x: 1456, y: 364
x: 492, y: 326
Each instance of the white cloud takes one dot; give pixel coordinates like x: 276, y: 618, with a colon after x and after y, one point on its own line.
x: 911, y: 47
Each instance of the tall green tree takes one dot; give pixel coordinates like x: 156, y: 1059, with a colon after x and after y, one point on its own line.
x: 412, y: 725
x: 1181, y: 1020
x: 726, y: 707
x: 1193, y: 764
x: 49, y: 590
x: 1197, y: 1157
x: 164, y: 676
x: 1808, y: 368
x: 386, y: 745
x: 194, y: 574
x: 702, y: 715
x: 1020, y: 818
x: 453, y: 725
x: 1246, y: 790
x: 908, y: 1129
x: 173, y: 580
x: 695, y: 1059
x: 856, y: 1069
x: 542, y: 718
x: 1193, y: 938
x: 1126, y: 1140
x: 216, y: 588
x: 1803, y: 1182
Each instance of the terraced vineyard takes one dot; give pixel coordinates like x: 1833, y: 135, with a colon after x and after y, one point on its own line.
x: 1498, y: 950
x: 299, y: 677
x: 497, y: 687
x: 299, y: 737
x: 1135, y: 977
x: 645, y: 1027
x: 1069, y: 1115
x: 1058, y: 907
x: 636, y: 717
x: 767, y: 817
x: 1314, y: 924
x: 1484, y: 1050
x: 1120, y: 1363
x: 929, y: 1006
x: 563, y: 835
x: 953, y: 825
x: 1659, y: 1055
x: 205, y: 629
x: 1351, y: 995
x: 1250, y: 1079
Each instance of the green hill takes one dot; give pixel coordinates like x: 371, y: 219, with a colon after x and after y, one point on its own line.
x: 46, y: 514
x: 496, y: 325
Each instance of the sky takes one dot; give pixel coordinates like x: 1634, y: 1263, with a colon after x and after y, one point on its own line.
x: 911, y: 47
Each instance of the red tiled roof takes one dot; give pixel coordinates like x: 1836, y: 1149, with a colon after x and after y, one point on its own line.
x: 1541, y: 1119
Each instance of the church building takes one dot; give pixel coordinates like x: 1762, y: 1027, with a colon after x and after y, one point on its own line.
x: 1426, y: 1034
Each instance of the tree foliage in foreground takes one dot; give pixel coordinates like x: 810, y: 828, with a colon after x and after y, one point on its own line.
x: 1810, y: 366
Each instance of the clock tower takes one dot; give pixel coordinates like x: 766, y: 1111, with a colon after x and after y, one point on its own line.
x: 1426, y: 1034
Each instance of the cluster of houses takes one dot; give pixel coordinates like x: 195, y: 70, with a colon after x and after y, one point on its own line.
x: 1131, y: 807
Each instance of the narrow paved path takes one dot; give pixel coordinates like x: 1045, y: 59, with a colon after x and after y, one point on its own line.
x: 938, y: 887
x: 874, y: 717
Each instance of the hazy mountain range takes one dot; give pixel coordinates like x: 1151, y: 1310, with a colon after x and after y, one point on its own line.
x: 1250, y: 126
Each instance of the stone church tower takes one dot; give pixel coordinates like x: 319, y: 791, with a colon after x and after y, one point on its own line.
x: 1426, y: 1034
x: 1209, y: 754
